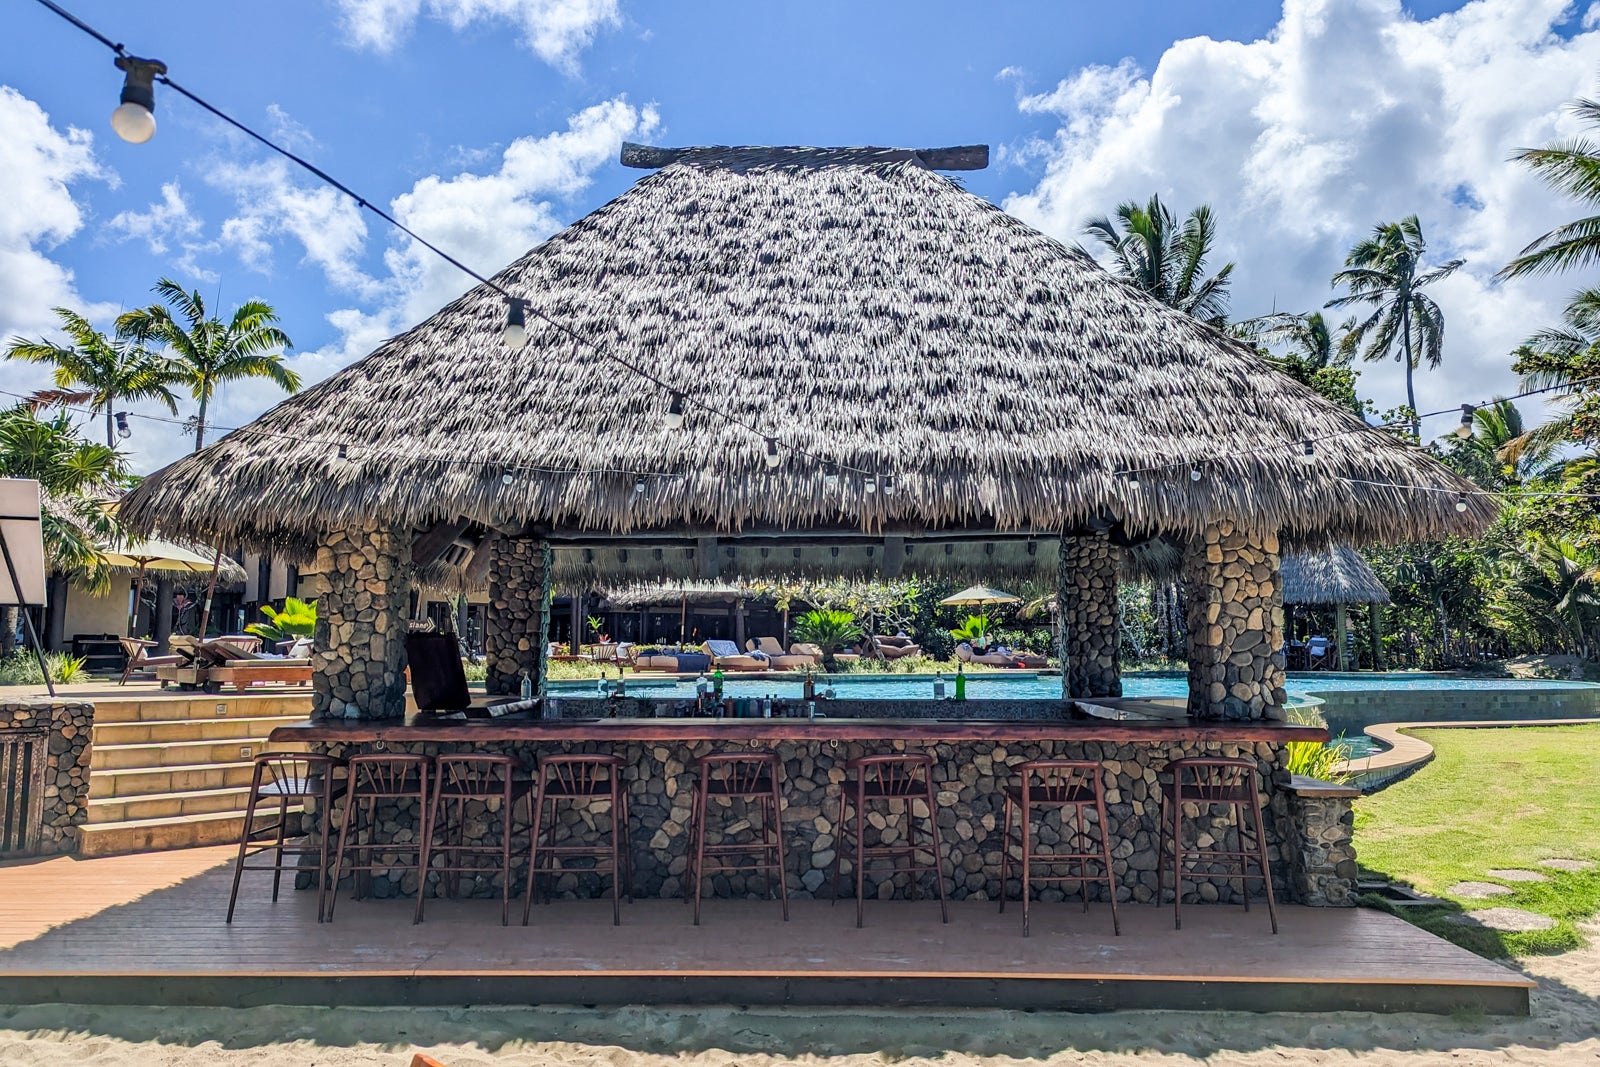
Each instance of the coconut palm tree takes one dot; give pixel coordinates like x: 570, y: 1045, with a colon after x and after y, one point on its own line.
x: 1506, y: 447
x: 1571, y: 167
x: 1155, y: 254
x: 97, y: 370
x: 204, y: 351
x: 1562, y: 358
x: 1385, y: 271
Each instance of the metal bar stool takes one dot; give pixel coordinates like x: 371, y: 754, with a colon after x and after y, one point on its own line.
x: 369, y: 780
x: 458, y: 781
x: 1213, y: 781
x: 285, y: 777
x: 581, y: 778
x: 892, y: 777
x: 1059, y: 783
x: 750, y: 776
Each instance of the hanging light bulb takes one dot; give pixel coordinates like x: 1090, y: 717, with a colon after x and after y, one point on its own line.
x: 870, y: 486
x: 638, y: 486
x: 1308, y: 454
x: 674, y: 416
x: 1461, y: 502
x: 344, y: 452
x: 135, y: 117
x: 830, y: 476
x: 507, y: 478
x: 124, y: 431
x: 1133, y: 479
x: 1464, y: 430
x: 772, y: 453
x: 1194, y: 474
x: 888, y: 485
x: 516, y: 331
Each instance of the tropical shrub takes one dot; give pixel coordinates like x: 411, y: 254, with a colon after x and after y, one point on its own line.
x: 1317, y: 759
x: 828, y: 629
x: 297, y: 619
x: 975, y: 629
x: 20, y: 668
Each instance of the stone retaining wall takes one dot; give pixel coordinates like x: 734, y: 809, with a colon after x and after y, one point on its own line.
x: 68, y: 727
x: 969, y: 777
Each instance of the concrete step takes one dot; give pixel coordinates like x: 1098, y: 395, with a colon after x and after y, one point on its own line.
x: 201, y: 706
x: 169, y: 805
x: 179, y: 753
x: 182, y: 831
x: 151, y: 781
x: 145, y: 731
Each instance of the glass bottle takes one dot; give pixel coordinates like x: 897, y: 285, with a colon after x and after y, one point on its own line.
x: 961, y: 683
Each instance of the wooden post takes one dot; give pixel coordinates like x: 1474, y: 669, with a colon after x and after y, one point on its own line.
x: 738, y: 623
x: 1340, y: 626
x: 1375, y: 628
x: 575, y: 646
x: 162, y: 623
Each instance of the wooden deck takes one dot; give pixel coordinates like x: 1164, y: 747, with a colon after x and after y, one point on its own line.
x: 148, y: 929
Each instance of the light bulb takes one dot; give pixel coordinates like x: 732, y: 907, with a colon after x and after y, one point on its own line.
x: 1133, y: 481
x: 134, y: 123
x: 1194, y: 474
x: 1464, y: 430
x: 870, y: 486
x: 638, y: 486
x: 830, y: 476
x: 888, y: 485
x: 516, y: 331
x: 507, y: 478
x: 124, y: 431
x: 1461, y: 503
x: 1308, y: 454
x: 772, y: 453
x: 674, y: 416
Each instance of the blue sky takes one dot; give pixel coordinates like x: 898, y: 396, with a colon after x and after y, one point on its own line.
x: 488, y: 124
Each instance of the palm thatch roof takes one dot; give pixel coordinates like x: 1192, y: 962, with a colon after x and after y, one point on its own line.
x: 643, y: 596
x: 861, y: 309
x: 1339, y: 575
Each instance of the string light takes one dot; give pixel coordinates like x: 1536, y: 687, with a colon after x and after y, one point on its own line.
x: 674, y: 416
x: 888, y: 485
x: 1464, y: 430
x: 638, y: 487
x: 830, y: 476
x: 1308, y: 455
x: 772, y: 453
x: 124, y: 431
x: 869, y: 485
x: 135, y: 117
x: 1194, y: 474
x: 507, y: 478
x: 516, y: 331
x: 1133, y: 480
x: 344, y: 452
x: 1461, y: 502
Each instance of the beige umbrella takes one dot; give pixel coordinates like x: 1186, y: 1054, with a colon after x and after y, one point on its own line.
x: 980, y: 597
x: 154, y: 555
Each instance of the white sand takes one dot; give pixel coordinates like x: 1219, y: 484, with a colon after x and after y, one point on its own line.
x: 1564, y: 1029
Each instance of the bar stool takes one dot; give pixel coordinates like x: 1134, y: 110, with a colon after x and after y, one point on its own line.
x: 750, y: 776
x: 1059, y: 783
x: 1213, y: 781
x: 459, y: 780
x: 286, y: 776
x: 892, y: 777
x: 581, y: 778
x: 371, y: 778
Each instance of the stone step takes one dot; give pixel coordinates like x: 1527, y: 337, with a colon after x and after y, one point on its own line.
x: 169, y: 805
x: 181, y: 831
x: 179, y: 753
x: 145, y: 731
x: 201, y: 706
x: 149, y: 781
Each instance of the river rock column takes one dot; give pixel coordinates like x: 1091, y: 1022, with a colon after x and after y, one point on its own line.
x: 359, y: 663
x: 1087, y: 632
x: 1230, y: 576
x: 516, y: 630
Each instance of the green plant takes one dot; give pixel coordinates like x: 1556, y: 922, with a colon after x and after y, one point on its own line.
x: 828, y: 629
x: 297, y: 619
x: 595, y: 622
x: 1318, y: 759
x: 1156, y: 254
x: 20, y: 668
x: 975, y: 629
x: 475, y: 672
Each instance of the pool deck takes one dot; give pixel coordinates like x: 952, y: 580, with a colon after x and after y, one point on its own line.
x: 148, y: 929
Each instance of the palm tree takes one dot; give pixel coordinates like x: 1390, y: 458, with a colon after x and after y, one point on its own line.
x: 1572, y: 167
x: 1560, y: 358
x: 1385, y: 271
x: 1550, y: 590
x: 97, y: 370
x: 1156, y: 255
x: 1504, y: 445
x: 1308, y: 336
x: 206, y: 352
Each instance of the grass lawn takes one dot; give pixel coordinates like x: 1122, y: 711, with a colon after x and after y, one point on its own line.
x: 1491, y: 799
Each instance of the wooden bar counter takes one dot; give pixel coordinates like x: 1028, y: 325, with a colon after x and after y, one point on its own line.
x: 975, y: 746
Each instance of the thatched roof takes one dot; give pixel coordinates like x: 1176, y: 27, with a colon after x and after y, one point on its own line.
x: 642, y: 596
x: 866, y: 312
x: 1337, y: 576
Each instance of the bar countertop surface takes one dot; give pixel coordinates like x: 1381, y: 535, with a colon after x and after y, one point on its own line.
x: 422, y: 727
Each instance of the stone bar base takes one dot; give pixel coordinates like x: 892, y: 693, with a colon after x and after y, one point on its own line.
x: 58, y: 786
x: 1323, y: 856
x: 969, y: 776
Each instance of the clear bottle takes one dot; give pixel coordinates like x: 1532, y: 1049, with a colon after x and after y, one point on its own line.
x: 527, y: 686
x: 938, y: 686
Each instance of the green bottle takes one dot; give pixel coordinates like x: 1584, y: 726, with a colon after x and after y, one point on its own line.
x: 716, y: 682
x: 961, y: 684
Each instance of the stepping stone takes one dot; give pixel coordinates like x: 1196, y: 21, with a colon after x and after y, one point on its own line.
x: 1478, y: 890
x: 1509, y: 920
x: 1514, y: 874
x: 1567, y: 865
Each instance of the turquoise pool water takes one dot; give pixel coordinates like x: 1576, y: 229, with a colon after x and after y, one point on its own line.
x: 1025, y: 686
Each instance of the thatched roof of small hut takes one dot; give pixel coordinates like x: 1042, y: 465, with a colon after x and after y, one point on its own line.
x: 861, y: 309
x: 642, y: 596
x: 1339, y: 575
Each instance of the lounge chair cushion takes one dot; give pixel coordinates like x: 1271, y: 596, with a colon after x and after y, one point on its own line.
x: 770, y: 646
x: 722, y: 649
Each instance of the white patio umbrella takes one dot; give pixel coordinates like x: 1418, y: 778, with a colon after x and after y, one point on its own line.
x: 980, y: 597
x: 154, y: 555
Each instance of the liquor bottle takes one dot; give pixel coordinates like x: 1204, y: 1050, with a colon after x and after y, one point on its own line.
x: 961, y: 684
x: 527, y: 686
x: 716, y: 682
x: 809, y: 690
x: 938, y: 686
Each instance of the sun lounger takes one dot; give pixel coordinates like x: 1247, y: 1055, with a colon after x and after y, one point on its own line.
x: 781, y: 660
x: 895, y: 647
x: 726, y: 655
x: 1009, y: 658
x: 241, y: 666
x: 139, y: 658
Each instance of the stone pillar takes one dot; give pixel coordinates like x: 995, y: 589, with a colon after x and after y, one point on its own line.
x: 1088, y: 634
x: 358, y: 667
x: 516, y: 629
x: 1230, y: 578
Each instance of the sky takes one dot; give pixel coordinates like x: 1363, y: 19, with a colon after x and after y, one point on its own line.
x: 488, y: 125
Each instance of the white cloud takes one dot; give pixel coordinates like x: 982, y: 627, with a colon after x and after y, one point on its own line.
x: 554, y: 30
x: 37, y: 213
x: 165, y: 224
x: 1349, y: 113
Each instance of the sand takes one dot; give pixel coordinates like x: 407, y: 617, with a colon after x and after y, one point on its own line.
x: 1564, y: 1029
